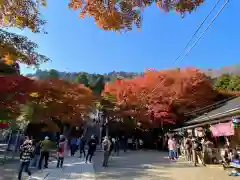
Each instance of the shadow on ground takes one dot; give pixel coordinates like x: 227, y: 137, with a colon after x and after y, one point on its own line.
x: 153, y: 166
x: 134, y: 165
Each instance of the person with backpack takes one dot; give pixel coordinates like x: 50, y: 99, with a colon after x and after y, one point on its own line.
x: 61, y: 152
x: 106, y: 147
x: 25, y: 157
x: 197, y: 151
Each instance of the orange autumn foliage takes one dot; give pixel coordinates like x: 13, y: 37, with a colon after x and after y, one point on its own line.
x: 14, y: 90
x: 63, y: 100
x: 122, y: 15
x: 162, y: 96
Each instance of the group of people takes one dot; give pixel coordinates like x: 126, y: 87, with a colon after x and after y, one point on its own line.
x: 109, y: 145
x: 78, y: 144
x: 32, y: 153
x: 192, y: 149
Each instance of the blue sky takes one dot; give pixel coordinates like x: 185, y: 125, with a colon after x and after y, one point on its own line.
x: 79, y: 45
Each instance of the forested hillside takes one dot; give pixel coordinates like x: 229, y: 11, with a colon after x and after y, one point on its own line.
x: 225, y: 79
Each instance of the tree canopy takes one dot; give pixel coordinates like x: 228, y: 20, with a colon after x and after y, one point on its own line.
x: 20, y: 14
x: 119, y: 15
x: 162, y: 96
x: 227, y: 82
x: 60, y: 100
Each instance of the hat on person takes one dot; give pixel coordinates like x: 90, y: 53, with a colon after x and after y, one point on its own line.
x: 46, y: 138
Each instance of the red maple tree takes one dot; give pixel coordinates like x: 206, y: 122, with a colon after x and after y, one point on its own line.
x: 162, y: 96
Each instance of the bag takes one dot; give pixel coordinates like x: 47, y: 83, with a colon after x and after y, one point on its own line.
x: 105, y: 146
x: 60, y: 148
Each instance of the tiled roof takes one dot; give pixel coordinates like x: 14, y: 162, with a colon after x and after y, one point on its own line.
x: 226, y: 107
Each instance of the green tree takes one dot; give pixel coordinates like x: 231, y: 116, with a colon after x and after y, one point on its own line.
x: 234, y: 84
x: 222, y: 82
x: 53, y: 74
x: 82, y: 78
x: 98, y: 86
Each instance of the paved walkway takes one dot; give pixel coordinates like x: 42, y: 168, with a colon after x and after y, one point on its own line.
x: 153, y: 165
x: 74, y: 168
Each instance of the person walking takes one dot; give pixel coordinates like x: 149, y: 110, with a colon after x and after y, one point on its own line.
x: 92, y: 145
x: 73, y: 146
x: 82, y: 147
x: 61, y: 152
x: 25, y: 158
x: 106, y: 147
x: 45, y: 151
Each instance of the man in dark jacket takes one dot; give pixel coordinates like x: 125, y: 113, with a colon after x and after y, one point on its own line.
x: 82, y: 146
x: 197, y: 151
x: 92, y: 144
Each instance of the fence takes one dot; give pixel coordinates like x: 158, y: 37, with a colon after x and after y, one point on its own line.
x: 9, y: 144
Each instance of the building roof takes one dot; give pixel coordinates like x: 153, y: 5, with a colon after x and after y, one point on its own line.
x: 226, y: 108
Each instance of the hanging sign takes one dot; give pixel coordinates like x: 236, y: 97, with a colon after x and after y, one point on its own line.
x: 3, y: 124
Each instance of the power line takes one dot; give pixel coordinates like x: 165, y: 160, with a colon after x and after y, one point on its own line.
x: 199, y: 27
x: 200, y: 37
x: 227, y: 1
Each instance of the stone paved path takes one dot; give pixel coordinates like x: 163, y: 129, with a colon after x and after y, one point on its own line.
x: 154, y: 166
x: 74, y: 168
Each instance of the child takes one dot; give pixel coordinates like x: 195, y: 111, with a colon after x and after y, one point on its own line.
x: 60, y: 153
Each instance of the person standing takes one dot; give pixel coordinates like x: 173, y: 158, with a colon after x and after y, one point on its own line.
x: 61, y: 152
x: 25, y: 158
x: 45, y: 151
x: 188, y: 149
x: 124, y: 143
x: 73, y: 146
x: 111, y: 146
x: 117, y: 146
x: 92, y: 145
x: 197, y: 151
x: 82, y: 147
x: 141, y: 144
x: 171, y: 148
x: 106, y: 148
x: 37, y: 153
x: 177, y: 147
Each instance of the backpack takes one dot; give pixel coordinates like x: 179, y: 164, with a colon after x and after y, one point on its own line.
x: 197, y: 146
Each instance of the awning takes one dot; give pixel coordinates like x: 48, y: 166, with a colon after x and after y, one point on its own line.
x: 222, y: 129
